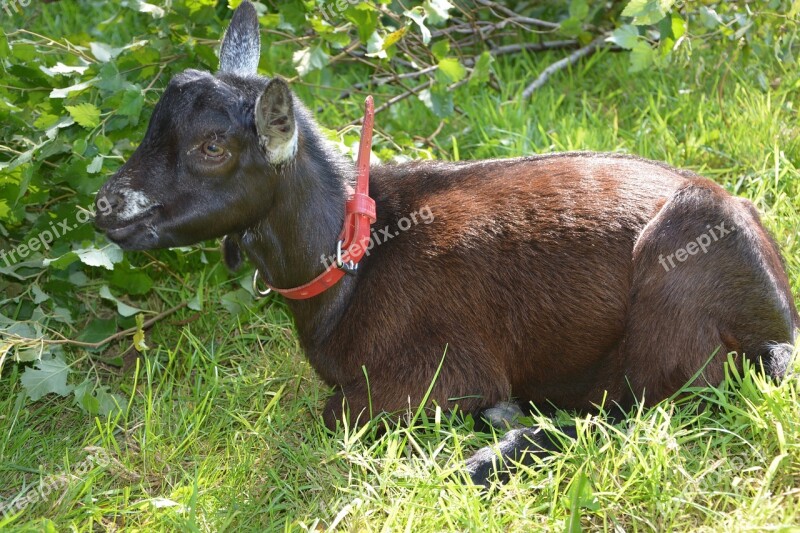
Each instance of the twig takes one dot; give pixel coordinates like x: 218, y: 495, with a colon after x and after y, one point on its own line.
x: 115, y: 336
x: 465, y: 28
x: 436, y: 132
x: 394, y: 100
x: 519, y: 18
x: 405, y: 95
x: 402, y: 96
x: 533, y: 47
x: 155, y: 78
x: 574, y: 57
x: 469, y: 62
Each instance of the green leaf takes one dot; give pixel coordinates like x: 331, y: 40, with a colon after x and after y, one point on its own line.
x: 104, y: 257
x: 197, y: 5
x: 338, y: 39
x: 49, y: 376
x: 63, y: 315
x: 679, y: 26
x: 39, y: 295
x: 375, y: 46
x: 98, y: 329
x: 110, y: 80
x: 196, y: 303
x: 86, y: 114
x: 571, y: 27
x: 795, y: 9
x: 321, y: 26
x: 418, y: 16
x: 270, y: 20
x: 440, y: 48
x: 95, y: 166
x: 642, y: 56
x: 122, y: 308
x: 108, y: 403
x: 103, y: 52
x: 438, y: 99
x: 24, y: 52
x: 437, y: 10
x: 132, y: 102
x: 104, y: 144
x: 133, y: 282
x: 152, y: 9
x: 308, y: 59
x: 578, y: 9
x: 625, y: 37
x: 45, y: 121
x: 236, y: 301
x: 79, y: 146
x: 480, y: 72
x: 66, y: 91
x: 96, y: 400
x: 452, y: 69
x: 645, y: 12
x: 365, y: 19
x: 710, y: 18
x: 84, y: 398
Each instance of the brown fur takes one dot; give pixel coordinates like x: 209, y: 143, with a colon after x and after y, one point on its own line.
x: 539, y: 277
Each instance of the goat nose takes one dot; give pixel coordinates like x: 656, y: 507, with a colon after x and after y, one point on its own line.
x: 107, y: 202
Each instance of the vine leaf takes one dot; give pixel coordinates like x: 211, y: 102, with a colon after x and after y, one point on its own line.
x: 49, y: 376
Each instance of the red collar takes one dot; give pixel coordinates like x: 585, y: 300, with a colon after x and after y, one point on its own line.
x: 359, y: 214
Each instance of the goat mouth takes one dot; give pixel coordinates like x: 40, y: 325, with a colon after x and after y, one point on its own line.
x: 130, y: 233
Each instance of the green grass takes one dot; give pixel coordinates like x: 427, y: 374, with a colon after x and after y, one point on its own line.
x: 221, y: 430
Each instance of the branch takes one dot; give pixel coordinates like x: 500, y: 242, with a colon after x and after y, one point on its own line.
x: 519, y: 18
x: 533, y: 47
x: 115, y: 336
x: 395, y: 99
x: 405, y: 95
x: 571, y: 59
x: 469, y: 62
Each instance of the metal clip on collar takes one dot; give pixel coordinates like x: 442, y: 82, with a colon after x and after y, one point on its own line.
x: 351, y: 267
x: 260, y: 293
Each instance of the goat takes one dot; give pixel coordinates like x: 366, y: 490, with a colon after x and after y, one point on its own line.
x: 567, y: 279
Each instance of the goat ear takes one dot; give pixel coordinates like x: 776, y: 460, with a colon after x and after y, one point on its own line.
x: 231, y: 253
x: 275, y: 121
x: 241, y: 45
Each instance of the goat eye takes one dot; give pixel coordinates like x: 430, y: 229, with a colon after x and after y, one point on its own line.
x: 213, y: 150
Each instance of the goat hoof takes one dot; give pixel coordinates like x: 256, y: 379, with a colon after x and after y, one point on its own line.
x: 483, y: 466
x: 504, y: 415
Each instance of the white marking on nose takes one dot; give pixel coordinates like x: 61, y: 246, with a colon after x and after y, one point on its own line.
x: 134, y: 204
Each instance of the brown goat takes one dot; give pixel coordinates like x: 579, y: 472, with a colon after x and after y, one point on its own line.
x: 570, y: 279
